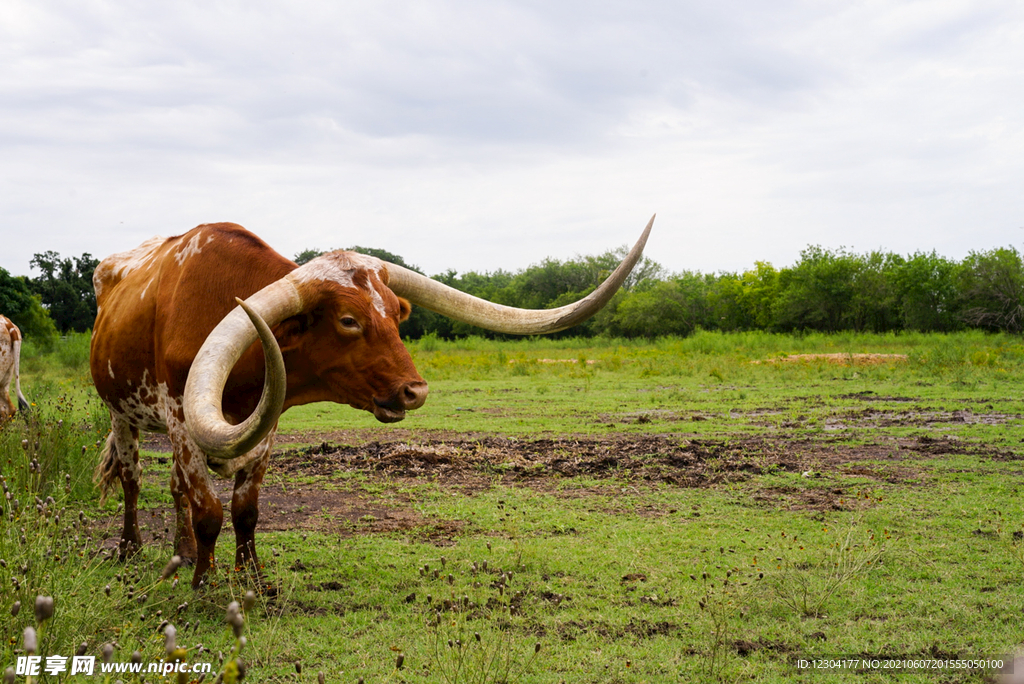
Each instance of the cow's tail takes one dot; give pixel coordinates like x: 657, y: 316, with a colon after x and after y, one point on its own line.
x: 23, y: 404
x: 106, y: 475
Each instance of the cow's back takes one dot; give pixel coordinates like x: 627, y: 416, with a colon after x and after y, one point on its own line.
x: 158, y: 302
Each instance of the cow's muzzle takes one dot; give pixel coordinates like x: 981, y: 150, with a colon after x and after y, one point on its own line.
x: 408, y: 397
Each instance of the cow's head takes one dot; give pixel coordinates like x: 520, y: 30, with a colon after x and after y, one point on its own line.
x: 339, y: 315
x: 336, y: 321
x: 345, y: 345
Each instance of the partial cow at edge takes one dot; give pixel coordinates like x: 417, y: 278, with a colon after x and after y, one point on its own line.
x: 10, y: 363
x: 175, y: 350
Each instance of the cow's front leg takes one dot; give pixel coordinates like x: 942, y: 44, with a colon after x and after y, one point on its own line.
x: 207, y: 518
x: 192, y: 479
x: 184, y: 535
x: 245, y: 510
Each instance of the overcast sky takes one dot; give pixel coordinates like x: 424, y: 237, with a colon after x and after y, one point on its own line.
x: 485, y: 135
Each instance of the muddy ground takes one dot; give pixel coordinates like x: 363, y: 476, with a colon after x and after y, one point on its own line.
x: 337, y: 485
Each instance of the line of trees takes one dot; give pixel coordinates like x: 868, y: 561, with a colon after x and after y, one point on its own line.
x: 826, y: 290
x: 58, y: 301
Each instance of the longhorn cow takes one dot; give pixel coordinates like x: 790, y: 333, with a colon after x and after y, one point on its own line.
x: 172, y: 353
x: 10, y: 361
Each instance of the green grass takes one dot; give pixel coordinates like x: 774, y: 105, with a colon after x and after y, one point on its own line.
x: 617, y: 578
x: 486, y: 386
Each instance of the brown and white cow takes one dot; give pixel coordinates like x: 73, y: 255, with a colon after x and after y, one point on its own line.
x: 10, y: 361
x: 172, y: 353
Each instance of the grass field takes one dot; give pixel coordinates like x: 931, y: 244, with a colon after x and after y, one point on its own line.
x: 700, y: 509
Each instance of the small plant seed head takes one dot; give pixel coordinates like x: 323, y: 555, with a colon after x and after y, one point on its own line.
x: 170, y: 639
x: 44, y: 608
x: 31, y: 643
x: 15, y: 609
x: 171, y: 567
x: 237, y: 624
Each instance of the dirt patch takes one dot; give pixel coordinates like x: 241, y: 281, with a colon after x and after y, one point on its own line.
x: 635, y: 629
x: 472, y: 464
x: 589, y: 362
x: 580, y: 467
x: 822, y: 499
x: 840, y: 359
x: 362, y: 485
x: 868, y: 395
x: 871, y: 418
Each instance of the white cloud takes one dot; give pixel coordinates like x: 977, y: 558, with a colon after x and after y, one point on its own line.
x: 490, y: 135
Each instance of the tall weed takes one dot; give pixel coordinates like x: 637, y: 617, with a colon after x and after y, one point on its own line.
x: 61, y: 434
x: 808, y: 573
x: 73, y: 350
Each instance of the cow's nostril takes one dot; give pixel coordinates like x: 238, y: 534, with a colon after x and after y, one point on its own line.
x: 414, y: 394
x: 406, y: 398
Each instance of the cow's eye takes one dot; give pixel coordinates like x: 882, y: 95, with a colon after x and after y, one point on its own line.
x: 349, y: 322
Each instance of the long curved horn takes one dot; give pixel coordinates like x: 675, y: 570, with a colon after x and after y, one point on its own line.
x: 204, y: 390
x: 23, y: 404
x: 453, y: 303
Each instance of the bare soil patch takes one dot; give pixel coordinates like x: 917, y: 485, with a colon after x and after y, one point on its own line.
x: 840, y: 359
x: 352, y: 482
x: 872, y: 418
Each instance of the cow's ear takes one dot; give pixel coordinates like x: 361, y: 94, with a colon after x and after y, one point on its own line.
x: 404, y: 309
x: 290, y: 331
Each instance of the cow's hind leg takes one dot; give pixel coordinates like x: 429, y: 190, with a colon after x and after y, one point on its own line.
x: 245, y: 505
x: 120, y: 461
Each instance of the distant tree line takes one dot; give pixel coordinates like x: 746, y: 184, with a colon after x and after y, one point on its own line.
x: 826, y: 290
x: 59, y: 300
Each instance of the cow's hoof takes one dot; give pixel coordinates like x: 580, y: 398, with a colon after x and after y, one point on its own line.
x: 126, y: 549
